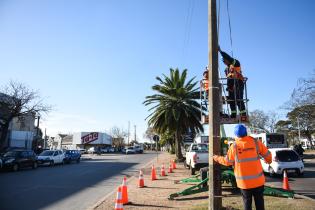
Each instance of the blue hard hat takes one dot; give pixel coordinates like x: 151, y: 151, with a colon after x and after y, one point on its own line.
x: 240, y: 130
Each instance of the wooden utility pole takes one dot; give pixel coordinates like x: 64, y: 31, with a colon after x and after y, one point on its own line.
x: 128, y: 132
x: 215, y: 200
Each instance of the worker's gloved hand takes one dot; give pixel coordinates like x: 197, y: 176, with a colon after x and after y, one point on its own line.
x: 215, y: 158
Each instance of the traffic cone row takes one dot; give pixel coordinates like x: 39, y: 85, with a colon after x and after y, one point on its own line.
x: 163, y: 171
x: 173, y: 164
x: 118, y: 202
x: 141, y: 180
x: 285, y: 184
x: 170, y: 169
x: 122, y: 192
x: 153, y: 173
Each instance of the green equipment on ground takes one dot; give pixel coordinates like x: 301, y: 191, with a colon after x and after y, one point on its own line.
x: 278, y: 192
x: 191, y: 190
x: 192, y: 179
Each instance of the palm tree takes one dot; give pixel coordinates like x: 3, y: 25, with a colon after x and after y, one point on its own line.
x: 175, y: 107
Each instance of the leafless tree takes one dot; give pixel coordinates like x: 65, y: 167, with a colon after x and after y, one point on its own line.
x: 118, y: 136
x: 17, y: 100
x: 272, y: 120
x: 258, y: 119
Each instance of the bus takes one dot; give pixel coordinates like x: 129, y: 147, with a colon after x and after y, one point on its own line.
x: 271, y: 140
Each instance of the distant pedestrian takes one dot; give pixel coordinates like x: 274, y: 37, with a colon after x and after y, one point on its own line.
x: 245, y: 155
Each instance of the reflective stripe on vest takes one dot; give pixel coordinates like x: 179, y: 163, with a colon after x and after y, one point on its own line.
x: 228, y: 160
x: 249, y: 177
x: 266, y: 154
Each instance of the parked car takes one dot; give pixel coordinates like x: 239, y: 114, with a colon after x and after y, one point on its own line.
x: 283, y: 159
x: 51, y: 157
x: 72, y: 155
x: 16, y: 159
x: 105, y: 150
x: 91, y: 150
x: 130, y: 150
x: 138, y: 148
x: 197, y: 157
x: 83, y: 151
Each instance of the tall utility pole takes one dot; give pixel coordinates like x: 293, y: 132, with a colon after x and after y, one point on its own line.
x: 45, y: 139
x: 128, y: 132
x: 298, y: 122
x: 135, y: 133
x: 215, y: 200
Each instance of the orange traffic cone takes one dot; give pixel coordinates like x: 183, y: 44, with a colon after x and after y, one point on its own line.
x: 163, y: 171
x: 170, y: 170
x: 153, y: 173
x: 174, y: 164
x: 285, y: 184
x: 118, y: 202
x: 124, y: 192
x: 141, y: 180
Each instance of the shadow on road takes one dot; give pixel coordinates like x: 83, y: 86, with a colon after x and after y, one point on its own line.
x: 36, y: 189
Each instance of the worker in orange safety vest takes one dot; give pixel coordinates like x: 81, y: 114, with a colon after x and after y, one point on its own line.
x: 205, y: 80
x: 244, y: 155
x: 235, y: 84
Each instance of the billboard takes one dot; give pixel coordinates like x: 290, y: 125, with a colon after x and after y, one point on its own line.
x: 89, y: 137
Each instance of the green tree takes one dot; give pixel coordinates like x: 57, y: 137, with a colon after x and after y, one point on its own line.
x: 175, y: 108
x: 167, y: 138
x: 303, y: 118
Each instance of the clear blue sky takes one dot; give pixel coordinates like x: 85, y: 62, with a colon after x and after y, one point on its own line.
x: 96, y: 60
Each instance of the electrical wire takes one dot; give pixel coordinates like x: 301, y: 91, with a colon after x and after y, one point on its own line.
x: 189, y: 17
x: 230, y: 27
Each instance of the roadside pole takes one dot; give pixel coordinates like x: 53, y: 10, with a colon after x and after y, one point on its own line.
x: 215, y: 200
x: 156, y: 138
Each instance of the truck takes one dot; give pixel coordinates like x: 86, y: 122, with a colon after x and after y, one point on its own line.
x: 197, y: 157
x: 271, y: 140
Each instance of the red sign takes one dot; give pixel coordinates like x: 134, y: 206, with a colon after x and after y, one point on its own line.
x: 89, y: 138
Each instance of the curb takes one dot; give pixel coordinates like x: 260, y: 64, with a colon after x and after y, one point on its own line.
x: 98, y: 203
x: 304, y: 197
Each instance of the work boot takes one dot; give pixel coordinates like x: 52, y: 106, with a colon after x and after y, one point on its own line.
x: 224, y: 115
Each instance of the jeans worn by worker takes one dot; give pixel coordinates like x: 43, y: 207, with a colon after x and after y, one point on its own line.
x: 257, y: 193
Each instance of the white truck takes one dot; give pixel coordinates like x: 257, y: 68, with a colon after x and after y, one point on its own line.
x: 197, y: 157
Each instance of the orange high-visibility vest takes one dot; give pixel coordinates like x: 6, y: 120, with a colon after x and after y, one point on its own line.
x: 245, y: 155
x: 235, y: 72
x: 206, y: 84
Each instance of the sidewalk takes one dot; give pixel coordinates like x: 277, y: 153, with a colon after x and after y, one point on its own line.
x: 155, y: 195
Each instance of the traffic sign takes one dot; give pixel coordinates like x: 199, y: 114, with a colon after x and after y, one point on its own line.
x: 156, y: 138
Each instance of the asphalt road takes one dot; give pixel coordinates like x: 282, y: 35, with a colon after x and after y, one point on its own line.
x: 74, y: 186
x: 302, y: 185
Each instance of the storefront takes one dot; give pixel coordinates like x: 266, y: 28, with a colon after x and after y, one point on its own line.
x: 86, y: 140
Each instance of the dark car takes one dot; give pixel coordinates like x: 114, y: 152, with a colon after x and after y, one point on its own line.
x: 16, y: 159
x: 72, y: 155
